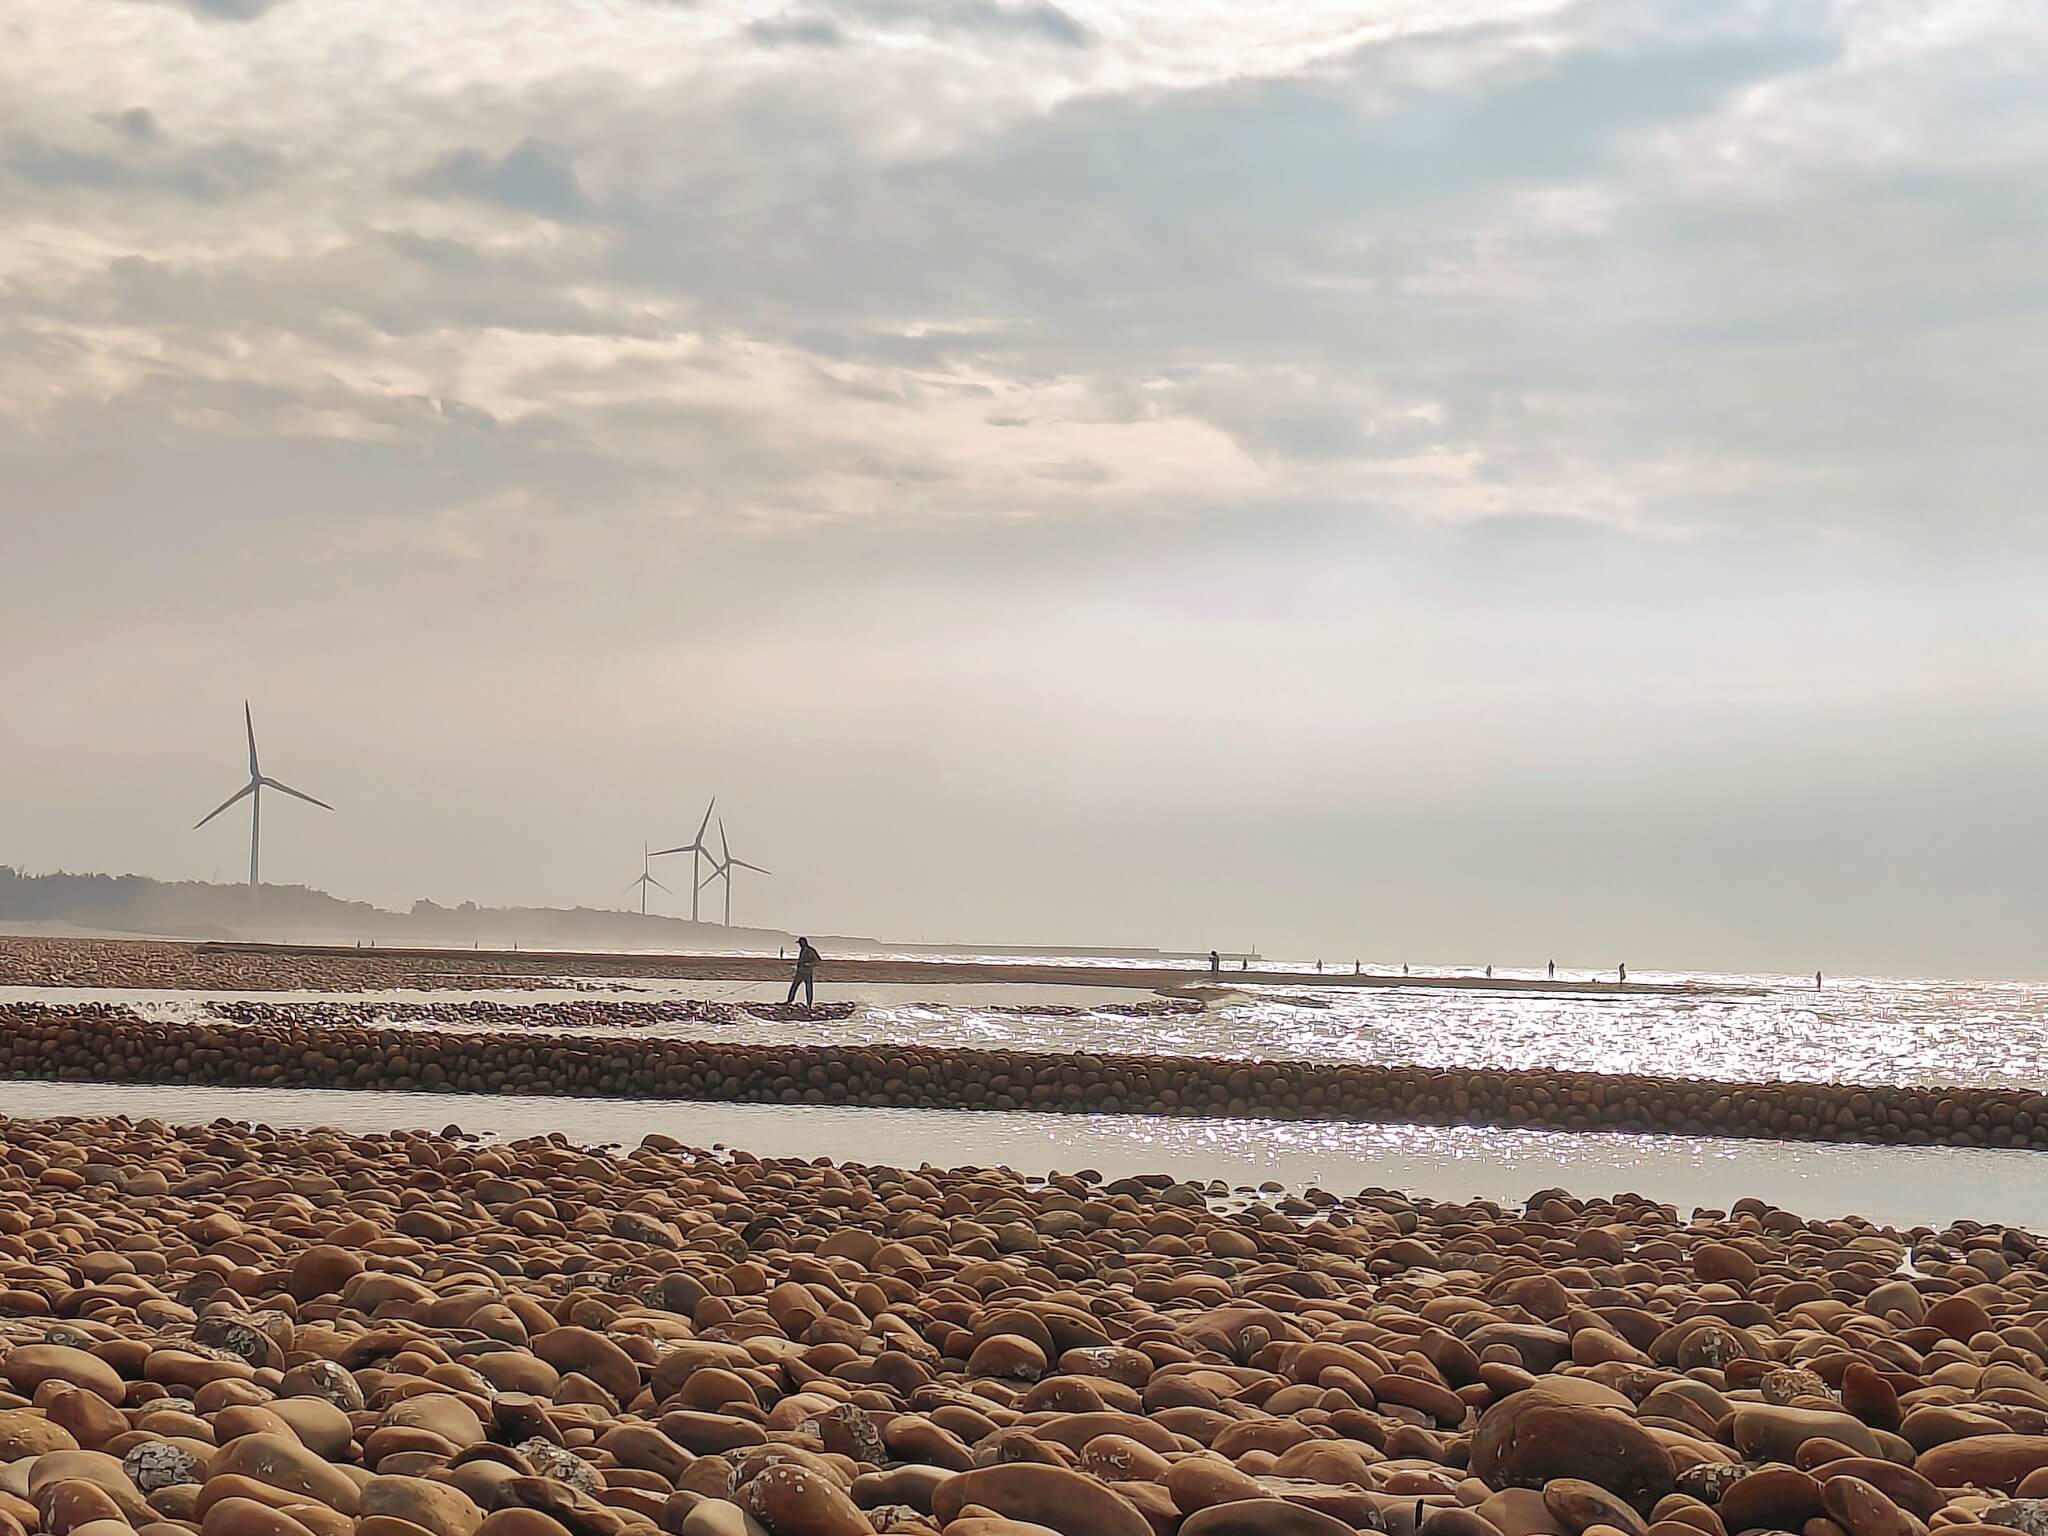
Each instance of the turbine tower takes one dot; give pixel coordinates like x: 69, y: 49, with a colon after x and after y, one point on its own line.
x: 646, y: 879
x: 254, y: 788
x: 698, y: 852
x: 724, y: 865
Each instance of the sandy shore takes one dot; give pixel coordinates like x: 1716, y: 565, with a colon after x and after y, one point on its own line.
x: 45, y: 961
x: 232, y: 1331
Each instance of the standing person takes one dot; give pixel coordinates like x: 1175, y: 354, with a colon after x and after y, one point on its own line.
x: 1553, y: 970
x: 1622, y: 969
x: 806, y: 972
x: 1489, y: 973
x: 1319, y: 967
x: 1215, y: 963
x: 1816, y: 981
x: 1354, y: 967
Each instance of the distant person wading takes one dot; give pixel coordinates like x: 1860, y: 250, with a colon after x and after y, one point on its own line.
x: 806, y: 972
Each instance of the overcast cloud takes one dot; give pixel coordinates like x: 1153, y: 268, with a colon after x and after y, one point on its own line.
x: 1446, y: 481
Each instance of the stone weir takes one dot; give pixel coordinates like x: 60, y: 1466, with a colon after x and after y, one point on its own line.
x: 102, y: 1043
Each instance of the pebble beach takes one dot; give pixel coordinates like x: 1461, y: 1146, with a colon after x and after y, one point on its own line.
x: 241, y: 1330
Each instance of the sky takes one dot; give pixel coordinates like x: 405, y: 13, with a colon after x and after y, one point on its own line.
x: 1462, y: 482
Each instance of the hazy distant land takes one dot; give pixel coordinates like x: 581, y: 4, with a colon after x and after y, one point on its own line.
x: 136, y: 905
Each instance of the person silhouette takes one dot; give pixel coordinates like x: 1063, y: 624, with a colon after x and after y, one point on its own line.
x: 1354, y: 967
x: 1489, y: 973
x: 1816, y: 981
x: 1622, y: 970
x: 1215, y: 963
x: 806, y: 973
x: 1553, y: 970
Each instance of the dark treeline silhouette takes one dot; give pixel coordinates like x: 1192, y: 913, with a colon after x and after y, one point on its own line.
x: 198, y: 909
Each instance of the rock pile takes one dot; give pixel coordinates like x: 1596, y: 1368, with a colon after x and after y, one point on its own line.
x: 628, y: 1013
x: 55, y: 962
x: 610, y: 1013
x: 98, y: 1043
x: 232, y: 1331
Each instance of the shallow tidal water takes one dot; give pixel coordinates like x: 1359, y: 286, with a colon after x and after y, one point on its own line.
x: 1869, y: 1030
x: 1895, y: 1185
x: 1864, y: 1030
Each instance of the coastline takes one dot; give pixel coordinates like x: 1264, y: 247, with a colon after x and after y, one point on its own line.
x: 237, y: 1330
x: 45, y: 961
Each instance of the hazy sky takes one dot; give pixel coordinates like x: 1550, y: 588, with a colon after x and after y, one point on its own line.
x: 1438, y: 482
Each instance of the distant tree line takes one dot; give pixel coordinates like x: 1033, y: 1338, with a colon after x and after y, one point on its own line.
x: 199, y: 909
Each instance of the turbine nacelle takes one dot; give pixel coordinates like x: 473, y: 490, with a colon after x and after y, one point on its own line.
x: 722, y: 866
x: 698, y: 850
x: 645, y: 879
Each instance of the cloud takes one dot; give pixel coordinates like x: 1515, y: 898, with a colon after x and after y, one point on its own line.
x: 1493, y: 270
x: 1039, y: 20
x: 1077, y: 472
x: 535, y: 177
x: 797, y: 30
x: 225, y: 10
x: 138, y: 125
x: 145, y: 164
x: 831, y: 23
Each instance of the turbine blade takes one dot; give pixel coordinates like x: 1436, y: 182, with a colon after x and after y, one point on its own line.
x: 662, y: 853
x: 705, y: 825
x: 658, y: 885
x: 249, y: 720
x: 757, y: 869
x: 247, y: 789
x: 295, y: 793
x: 724, y: 848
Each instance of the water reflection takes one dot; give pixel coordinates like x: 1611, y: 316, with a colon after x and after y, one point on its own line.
x: 1888, y: 1184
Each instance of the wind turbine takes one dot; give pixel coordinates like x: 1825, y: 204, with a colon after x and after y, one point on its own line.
x: 698, y: 852
x: 255, y: 787
x: 724, y: 865
x: 646, y: 879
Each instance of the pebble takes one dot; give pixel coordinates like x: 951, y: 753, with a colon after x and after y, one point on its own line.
x: 312, y: 1333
